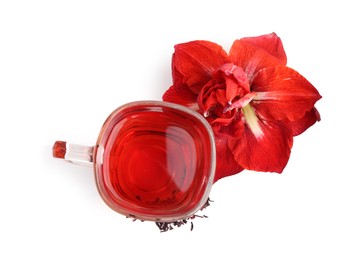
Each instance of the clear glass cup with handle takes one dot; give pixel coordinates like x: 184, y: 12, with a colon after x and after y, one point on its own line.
x: 152, y: 161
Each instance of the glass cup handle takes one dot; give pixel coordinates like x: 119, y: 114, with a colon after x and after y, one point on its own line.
x: 74, y: 153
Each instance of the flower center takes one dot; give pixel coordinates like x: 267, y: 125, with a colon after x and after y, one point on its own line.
x: 241, y: 102
x: 225, y: 101
x: 228, y: 89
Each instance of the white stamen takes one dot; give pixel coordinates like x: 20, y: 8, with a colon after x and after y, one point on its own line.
x: 253, y: 122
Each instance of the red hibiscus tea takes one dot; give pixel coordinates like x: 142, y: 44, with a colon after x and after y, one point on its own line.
x: 155, y: 161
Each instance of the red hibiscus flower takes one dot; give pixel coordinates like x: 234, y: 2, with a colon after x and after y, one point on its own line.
x: 253, y: 101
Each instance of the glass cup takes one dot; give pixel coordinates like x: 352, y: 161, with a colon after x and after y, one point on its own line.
x: 153, y: 160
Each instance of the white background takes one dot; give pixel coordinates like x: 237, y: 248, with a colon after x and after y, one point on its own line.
x: 65, y: 65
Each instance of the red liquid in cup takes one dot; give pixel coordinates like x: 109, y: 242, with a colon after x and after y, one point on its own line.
x: 157, y: 163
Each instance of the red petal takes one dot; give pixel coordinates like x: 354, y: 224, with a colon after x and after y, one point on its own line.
x: 226, y: 165
x: 252, y: 58
x: 269, y: 42
x: 283, y: 93
x: 221, y: 97
x: 194, y: 62
x: 235, y: 79
x: 180, y: 94
x: 228, y: 127
x: 242, y: 102
x: 208, y: 98
x: 301, y: 125
x: 268, y: 151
